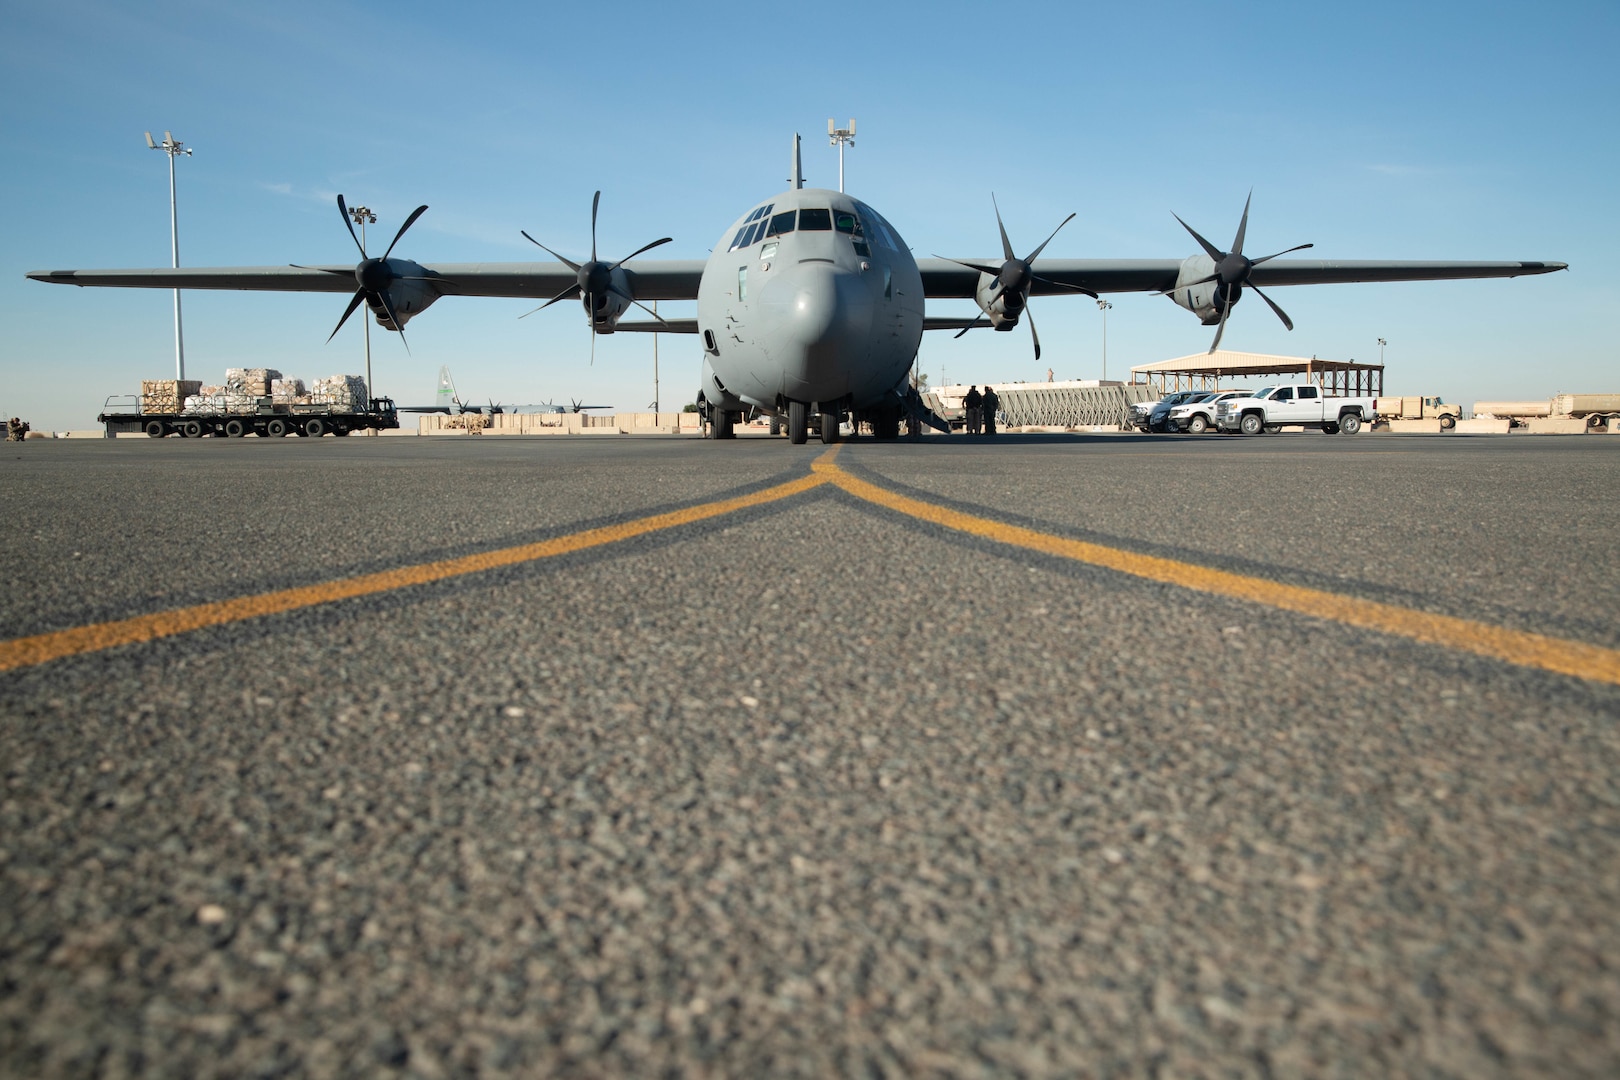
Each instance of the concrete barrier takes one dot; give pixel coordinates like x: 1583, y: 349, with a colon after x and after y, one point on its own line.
x: 1556, y: 425
x: 1415, y: 427
x: 1484, y: 426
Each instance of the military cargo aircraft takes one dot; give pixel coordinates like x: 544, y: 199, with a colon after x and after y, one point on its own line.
x: 810, y: 308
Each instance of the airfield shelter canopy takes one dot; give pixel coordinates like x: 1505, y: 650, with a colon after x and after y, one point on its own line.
x: 1222, y: 369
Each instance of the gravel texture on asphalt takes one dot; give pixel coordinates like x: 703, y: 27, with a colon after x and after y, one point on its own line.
x: 811, y: 789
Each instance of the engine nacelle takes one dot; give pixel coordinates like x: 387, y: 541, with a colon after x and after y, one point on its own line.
x: 610, y: 303
x: 1206, y: 300
x: 408, y: 297
x: 1005, y: 311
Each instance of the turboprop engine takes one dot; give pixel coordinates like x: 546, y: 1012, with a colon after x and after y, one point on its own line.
x: 1210, y: 284
x: 394, y: 289
x: 603, y: 288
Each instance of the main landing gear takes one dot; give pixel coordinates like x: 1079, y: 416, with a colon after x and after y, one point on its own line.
x: 798, y: 423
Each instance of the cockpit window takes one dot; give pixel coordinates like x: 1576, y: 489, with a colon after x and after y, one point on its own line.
x: 768, y: 251
x: 815, y: 220
x: 781, y: 223
x: 846, y: 222
x: 742, y: 234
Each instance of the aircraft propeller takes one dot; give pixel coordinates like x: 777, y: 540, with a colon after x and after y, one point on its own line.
x: 373, y: 276
x: 1232, y: 271
x: 594, y: 279
x: 1015, y: 277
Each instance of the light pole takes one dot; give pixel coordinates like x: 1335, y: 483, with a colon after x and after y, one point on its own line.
x: 655, y: 366
x: 838, y: 136
x: 1103, y: 306
x: 362, y: 216
x: 173, y: 149
x: 1381, y: 344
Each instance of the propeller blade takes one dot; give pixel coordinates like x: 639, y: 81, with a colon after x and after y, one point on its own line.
x: 1006, y: 245
x: 418, y: 212
x: 965, y: 329
x: 647, y: 309
x: 560, y: 296
x: 595, y: 201
x: 1281, y: 314
x: 593, y: 343
x: 1065, y: 285
x: 324, y: 270
x: 1209, y: 249
x: 1268, y: 258
x: 574, y: 266
x: 1189, y: 285
x: 638, y: 251
x: 1030, y: 318
x: 980, y: 267
x: 1226, y: 310
x: 1243, y: 225
x: 343, y: 209
x: 389, y: 309
x: 354, y: 302
x: 1034, y: 254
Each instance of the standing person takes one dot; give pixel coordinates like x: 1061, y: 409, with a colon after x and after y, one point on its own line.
x: 973, y: 403
x: 16, y: 430
x: 989, y: 404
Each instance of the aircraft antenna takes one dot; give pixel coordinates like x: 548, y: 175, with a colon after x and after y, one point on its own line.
x: 797, y: 177
x: 838, y: 136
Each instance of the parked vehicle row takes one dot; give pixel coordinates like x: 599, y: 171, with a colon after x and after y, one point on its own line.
x: 1265, y: 410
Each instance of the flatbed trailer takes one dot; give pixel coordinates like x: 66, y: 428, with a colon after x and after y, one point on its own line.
x: 268, y: 420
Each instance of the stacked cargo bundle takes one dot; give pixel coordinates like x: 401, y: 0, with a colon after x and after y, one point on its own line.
x: 226, y: 400
x: 167, y: 395
x: 289, y: 391
x: 344, y: 393
x: 252, y: 381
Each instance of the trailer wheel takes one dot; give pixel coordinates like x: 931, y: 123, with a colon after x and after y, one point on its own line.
x: 193, y: 429
x: 276, y: 428
x: 1597, y: 422
x: 155, y: 429
x: 339, y: 429
x: 314, y: 427
x: 235, y: 429
x: 1350, y: 423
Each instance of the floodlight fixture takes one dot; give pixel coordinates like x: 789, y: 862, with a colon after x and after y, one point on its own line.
x: 363, y: 216
x: 837, y: 136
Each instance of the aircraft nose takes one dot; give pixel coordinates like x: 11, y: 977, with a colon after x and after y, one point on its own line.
x: 822, y: 315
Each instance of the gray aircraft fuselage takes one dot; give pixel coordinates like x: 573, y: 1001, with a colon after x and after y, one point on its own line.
x: 809, y: 297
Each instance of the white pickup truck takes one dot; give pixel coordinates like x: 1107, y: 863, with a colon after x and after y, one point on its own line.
x: 1270, y: 407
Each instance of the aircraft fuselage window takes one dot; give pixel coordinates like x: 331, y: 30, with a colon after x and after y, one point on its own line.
x: 862, y: 250
x: 781, y: 223
x: 815, y: 220
x: 742, y: 283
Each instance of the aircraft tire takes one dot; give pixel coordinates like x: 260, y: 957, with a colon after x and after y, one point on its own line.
x: 722, y: 425
x: 776, y: 425
x: 829, y: 428
x: 798, y: 423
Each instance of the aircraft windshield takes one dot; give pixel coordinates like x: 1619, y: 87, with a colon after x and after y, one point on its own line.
x: 846, y: 223
x: 815, y: 220
x: 781, y: 223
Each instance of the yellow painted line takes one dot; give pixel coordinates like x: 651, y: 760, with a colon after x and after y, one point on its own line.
x: 41, y: 648
x: 1559, y: 655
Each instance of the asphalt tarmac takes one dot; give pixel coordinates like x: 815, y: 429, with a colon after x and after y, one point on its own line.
x: 1041, y: 756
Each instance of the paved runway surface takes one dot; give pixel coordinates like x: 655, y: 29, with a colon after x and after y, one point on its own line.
x: 804, y: 784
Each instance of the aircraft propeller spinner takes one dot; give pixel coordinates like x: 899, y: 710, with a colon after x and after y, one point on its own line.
x: 595, y: 279
x: 373, y: 276
x: 1014, y: 279
x: 1232, y: 271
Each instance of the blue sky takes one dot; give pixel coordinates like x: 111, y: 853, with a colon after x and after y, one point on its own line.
x: 1374, y: 130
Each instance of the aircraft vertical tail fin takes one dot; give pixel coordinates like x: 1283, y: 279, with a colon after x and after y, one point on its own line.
x: 447, y: 390
x: 797, y: 178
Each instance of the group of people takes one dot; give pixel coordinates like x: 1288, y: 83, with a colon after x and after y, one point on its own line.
x: 981, y: 410
x: 16, y: 430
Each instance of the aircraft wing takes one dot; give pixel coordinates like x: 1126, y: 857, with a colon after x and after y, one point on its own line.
x: 648, y: 326
x: 943, y: 278
x: 656, y: 280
